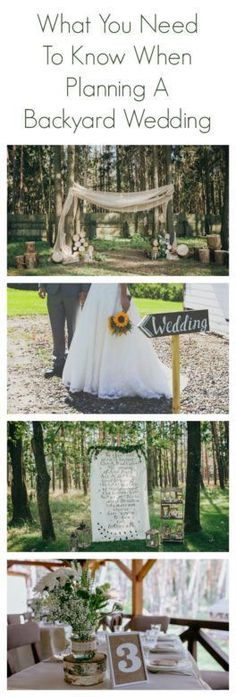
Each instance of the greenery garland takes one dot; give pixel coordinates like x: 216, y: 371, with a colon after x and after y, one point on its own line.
x: 96, y: 449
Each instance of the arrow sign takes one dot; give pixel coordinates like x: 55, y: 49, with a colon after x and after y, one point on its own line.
x: 172, y: 324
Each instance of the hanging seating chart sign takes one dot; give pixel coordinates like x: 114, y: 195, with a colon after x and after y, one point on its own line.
x: 119, y: 500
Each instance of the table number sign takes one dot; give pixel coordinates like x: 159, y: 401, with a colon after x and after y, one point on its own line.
x: 126, y: 659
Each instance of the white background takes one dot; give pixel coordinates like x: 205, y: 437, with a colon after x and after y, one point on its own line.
x: 206, y: 87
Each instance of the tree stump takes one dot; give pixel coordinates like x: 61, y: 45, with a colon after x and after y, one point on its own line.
x: 20, y: 261
x: 31, y: 260
x: 204, y: 255
x: 214, y: 241
x: 220, y: 257
x: 30, y: 248
x: 182, y: 250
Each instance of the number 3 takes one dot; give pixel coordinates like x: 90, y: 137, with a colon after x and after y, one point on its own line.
x: 131, y: 654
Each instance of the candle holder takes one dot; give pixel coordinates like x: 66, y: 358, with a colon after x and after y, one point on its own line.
x: 153, y: 538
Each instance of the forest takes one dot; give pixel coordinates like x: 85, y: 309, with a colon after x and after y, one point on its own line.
x: 39, y: 178
x: 49, y: 479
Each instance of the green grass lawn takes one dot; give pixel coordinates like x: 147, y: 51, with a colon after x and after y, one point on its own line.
x: 25, y: 302
x: 28, y: 302
x: 69, y: 510
x: 102, y: 266
x: 148, y: 305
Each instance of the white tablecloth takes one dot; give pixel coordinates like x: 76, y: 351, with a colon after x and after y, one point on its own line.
x: 48, y: 675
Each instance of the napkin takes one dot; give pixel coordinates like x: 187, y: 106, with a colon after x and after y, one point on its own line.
x: 168, y: 648
x: 183, y: 668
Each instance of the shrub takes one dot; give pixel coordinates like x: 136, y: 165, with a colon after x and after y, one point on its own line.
x: 138, y: 242
x: 165, y: 291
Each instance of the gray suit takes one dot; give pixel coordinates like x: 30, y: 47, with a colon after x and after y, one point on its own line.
x: 62, y: 302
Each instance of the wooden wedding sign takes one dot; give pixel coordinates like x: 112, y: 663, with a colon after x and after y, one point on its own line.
x: 127, y: 664
x: 173, y: 324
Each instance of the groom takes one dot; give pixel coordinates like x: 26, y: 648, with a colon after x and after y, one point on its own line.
x: 63, y: 300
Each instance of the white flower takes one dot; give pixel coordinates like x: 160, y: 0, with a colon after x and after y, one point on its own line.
x: 56, y: 578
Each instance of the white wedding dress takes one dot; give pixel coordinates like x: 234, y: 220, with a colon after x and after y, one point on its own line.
x: 112, y: 366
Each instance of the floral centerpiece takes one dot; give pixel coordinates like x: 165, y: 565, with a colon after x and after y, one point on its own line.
x: 69, y: 596
x: 119, y: 323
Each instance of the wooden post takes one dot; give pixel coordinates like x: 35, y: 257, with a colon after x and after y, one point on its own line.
x: 137, y: 588
x: 175, y: 374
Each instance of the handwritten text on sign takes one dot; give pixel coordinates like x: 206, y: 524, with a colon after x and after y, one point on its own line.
x: 119, y: 499
x: 172, y: 323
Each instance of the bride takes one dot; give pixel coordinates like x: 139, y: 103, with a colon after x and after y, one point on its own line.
x: 107, y: 365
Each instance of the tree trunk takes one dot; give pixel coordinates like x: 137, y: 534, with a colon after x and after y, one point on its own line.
x: 53, y: 471
x: 42, y: 483
x: 155, y: 183
x: 83, y: 461
x: 70, y: 182
x: 57, y: 183
x: 225, y: 211
x: 207, y: 193
x: 193, y: 478
x: 220, y: 463
x: 14, y: 178
x: 21, y: 512
x: 118, y: 167
x: 21, y: 182
x: 49, y: 198
x: 150, y: 460
x: 64, y: 461
x: 170, y: 214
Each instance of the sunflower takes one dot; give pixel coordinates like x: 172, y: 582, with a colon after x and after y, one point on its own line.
x: 119, y: 324
x: 121, y: 319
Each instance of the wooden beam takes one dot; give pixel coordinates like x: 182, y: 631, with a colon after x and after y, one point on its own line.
x: 137, y: 588
x: 222, y: 625
x: 145, y: 569
x: 123, y: 568
x: 190, y: 635
x: 25, y: 573
x: 46, y: 564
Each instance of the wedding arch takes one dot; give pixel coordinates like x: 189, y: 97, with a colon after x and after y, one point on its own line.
x: 119, y: 202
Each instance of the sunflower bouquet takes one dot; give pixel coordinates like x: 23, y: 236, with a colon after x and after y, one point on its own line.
x: 119, y: 323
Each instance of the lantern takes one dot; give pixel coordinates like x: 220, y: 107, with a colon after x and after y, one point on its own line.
x: 152, y: 538
x: 81, y: 537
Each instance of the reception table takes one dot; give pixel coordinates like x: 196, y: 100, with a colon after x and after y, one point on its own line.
x: 48, y: 675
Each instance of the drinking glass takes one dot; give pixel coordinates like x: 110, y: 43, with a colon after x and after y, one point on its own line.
x: 156, y: 628
x: 60, y: 641
x: 148, y: 642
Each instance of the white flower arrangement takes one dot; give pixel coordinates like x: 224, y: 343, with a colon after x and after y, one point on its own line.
x: 56, y: 578
x: 68, y: 596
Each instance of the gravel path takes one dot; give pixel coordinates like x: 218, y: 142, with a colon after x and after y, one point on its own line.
x: 204, y: 362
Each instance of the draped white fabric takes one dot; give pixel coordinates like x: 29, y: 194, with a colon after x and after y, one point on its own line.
x: 120, y: 202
